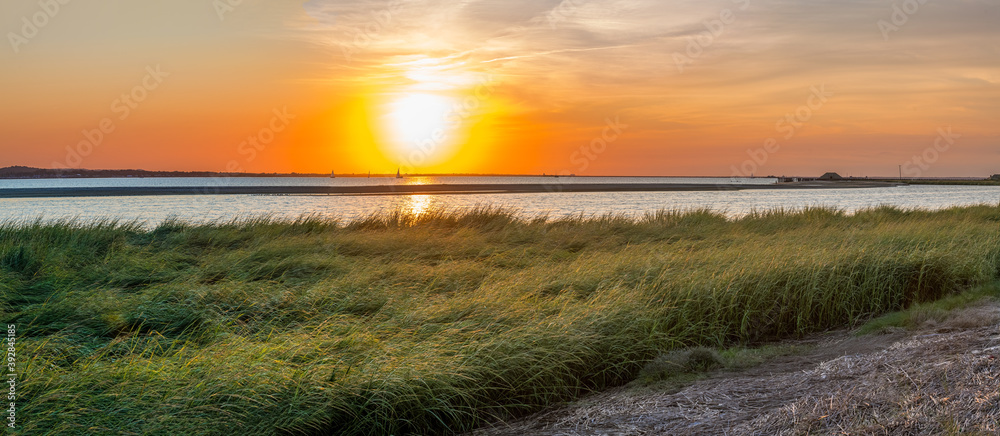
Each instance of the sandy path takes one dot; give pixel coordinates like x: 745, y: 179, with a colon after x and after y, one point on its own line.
x: 943, y: 378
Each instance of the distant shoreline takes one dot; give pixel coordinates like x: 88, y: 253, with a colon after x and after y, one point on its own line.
x: 422, y: 189
x: 30, y: 173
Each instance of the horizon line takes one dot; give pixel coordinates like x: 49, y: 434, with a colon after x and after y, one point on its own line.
x: 366, y: 174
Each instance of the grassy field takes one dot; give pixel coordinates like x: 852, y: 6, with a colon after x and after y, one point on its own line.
x: 397, y: 324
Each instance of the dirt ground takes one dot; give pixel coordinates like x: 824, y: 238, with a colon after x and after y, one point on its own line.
x: 941, y: 378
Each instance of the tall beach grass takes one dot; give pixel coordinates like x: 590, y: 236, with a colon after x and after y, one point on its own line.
x: 434, y: 323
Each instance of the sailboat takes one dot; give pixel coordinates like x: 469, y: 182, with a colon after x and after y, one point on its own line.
x: 398, y: 176
x: 333, y: 174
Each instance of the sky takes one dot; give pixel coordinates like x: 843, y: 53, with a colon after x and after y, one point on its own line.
x: 586, y: 87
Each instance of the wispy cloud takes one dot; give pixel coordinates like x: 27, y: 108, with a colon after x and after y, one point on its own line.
x: 564, y: 65
x: 550, y: 52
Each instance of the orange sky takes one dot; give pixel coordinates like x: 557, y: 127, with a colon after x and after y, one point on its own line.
x: 600, y: 87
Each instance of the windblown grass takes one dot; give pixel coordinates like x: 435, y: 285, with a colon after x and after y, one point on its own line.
x: 918, y: 315
x: 433, y: 324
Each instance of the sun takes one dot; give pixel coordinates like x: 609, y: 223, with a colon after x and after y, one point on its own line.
x: 419, y: 117
x: 424, y: 130
x: 431, y: 113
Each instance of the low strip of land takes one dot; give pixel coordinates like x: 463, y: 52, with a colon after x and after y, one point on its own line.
x: 419, y: 189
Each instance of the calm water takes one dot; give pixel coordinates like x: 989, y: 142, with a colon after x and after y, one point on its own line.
x: 153, y: 210
x: 349, y: 181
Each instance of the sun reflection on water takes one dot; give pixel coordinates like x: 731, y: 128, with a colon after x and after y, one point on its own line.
x: 418, y: 204
x: 419, y: 180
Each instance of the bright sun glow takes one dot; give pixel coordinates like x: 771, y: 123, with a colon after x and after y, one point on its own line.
x: 418, y: 118
x: 424, y: 129
x: 432, y: 115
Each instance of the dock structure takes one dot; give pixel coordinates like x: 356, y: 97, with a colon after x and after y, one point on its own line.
x: 830, y: 177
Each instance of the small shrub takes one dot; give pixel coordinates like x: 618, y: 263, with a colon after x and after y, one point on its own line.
x: 676, y: 364
x: 703, y: 359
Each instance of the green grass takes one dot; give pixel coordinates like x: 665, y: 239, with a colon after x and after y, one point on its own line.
x: 434, y: 324
x: 937, y: 311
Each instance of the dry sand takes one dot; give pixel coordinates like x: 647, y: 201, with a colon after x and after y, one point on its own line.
x: 942, y: 378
